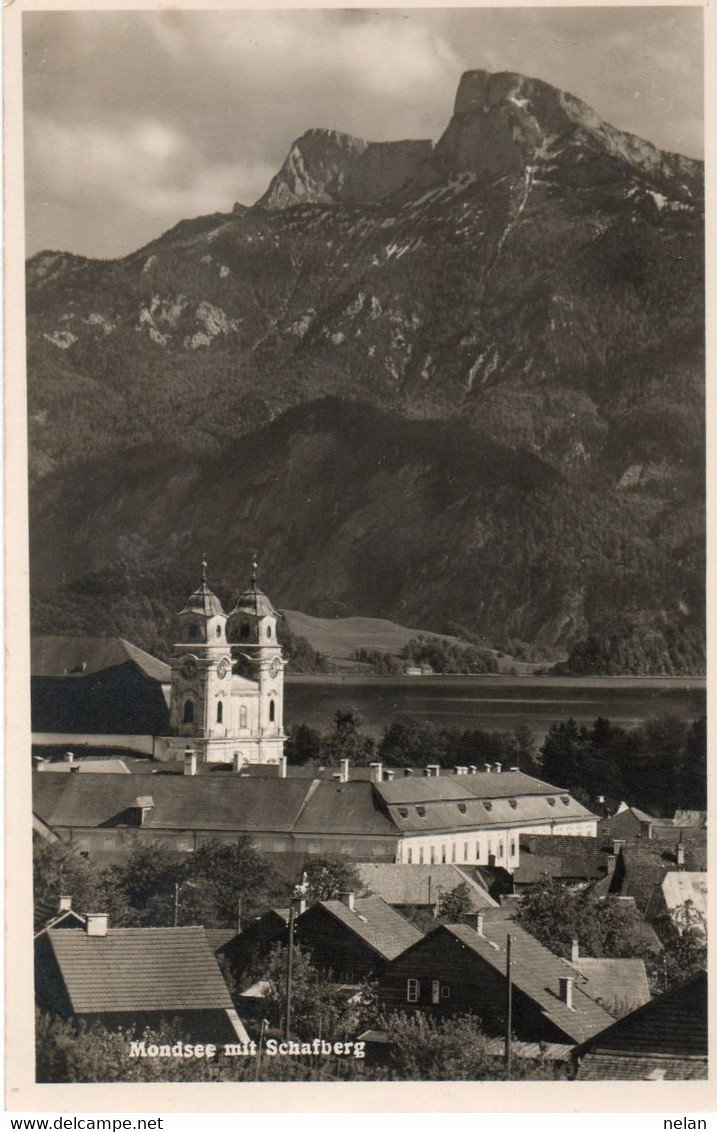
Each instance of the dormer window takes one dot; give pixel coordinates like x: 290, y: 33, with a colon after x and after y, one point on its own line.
x: 403, y: 812
x: 462, y: 807
x: 421, y: 811
x: 513, y: 803
x: 488, y: 806
x: 551, y: 801
x: 565, y: 799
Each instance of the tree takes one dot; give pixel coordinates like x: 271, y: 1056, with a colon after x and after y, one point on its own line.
x: 303, y: 743
x: 556, y: 916
x: 318, y: 1006
x: 347, y: 742
x: 453, y: 904
x: 330, y: 875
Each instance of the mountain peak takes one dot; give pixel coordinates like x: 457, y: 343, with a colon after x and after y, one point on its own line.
x: 328, y: 167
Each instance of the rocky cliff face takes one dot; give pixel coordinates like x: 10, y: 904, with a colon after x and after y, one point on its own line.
x: 536, y: 279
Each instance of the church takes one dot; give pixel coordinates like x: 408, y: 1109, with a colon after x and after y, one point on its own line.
x: 216, y: 701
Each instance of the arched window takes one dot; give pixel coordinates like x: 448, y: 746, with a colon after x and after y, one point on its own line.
x: 268, y: 630
x: 219, y: 630
x: 242, y: 717
x: 188, y: 716
x: 220, y: 711
x: 193, y: 631
x: 272, y: 711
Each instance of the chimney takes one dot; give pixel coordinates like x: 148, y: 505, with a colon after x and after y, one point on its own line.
x: 491, y: 860
x: 646, y: 829
x: 617, y: 845
x: 282, y: 767
x: 347, y: 898
x: 302, y: 905
x: 433, y: 770
x: 236, y: 763
x: 97, y: 923
x: 565, y: 990
x: 474, y: 920
x: 574, y: 951
x: 144, y: 803
x: 190, y: 761
x: 515, y: 768
x: 65, y: 904
x: 488, y: 768
x: 376, y: 772
x: 472, y: 769
x: 610, y: 864
x: 69, y: 757
x: 388, y: 776
x: 680, y: 852
x: 498, y: 768
x: 344, y: 765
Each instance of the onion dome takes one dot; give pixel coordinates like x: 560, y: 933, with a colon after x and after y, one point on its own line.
x: 254, y: 601
x: 203, y: 601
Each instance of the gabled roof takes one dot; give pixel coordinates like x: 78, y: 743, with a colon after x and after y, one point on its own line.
x: 212, y: 802
x: 139, y: 969
x: 696, y: 819
x: 535, y: 971
x: 678, y: 888
x: 668, y: 1035
x: 67, y: 919
x: 82, y: 656
x: 542, y: 856
x: 643, y: 865
x: 376, y: 923
x: 420, y: 884
x: 455, y: 787
x: 615, y: 983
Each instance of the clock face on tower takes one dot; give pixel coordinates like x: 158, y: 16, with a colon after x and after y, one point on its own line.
x: 274, y: 668
x: 189, y: 669
x: 223, y: 668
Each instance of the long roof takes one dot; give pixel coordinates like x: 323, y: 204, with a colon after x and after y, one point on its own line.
x: 535, y: 971
x: 377, y: 923
x: 140, y: 969
x: 82, y: 656
x: 615, y: 983
x: 474, y: 801
x: 643, y: 864
x: 212, y: 802
x: 420, y: 884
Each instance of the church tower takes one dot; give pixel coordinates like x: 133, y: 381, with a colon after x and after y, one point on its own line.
x: 216, y: 713
x: 252, y: 626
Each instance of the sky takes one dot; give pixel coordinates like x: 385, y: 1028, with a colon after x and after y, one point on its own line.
x: 137, y: 119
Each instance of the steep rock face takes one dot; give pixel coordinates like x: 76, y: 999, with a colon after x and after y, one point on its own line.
x: 325, y: 167
x: 503, y: 122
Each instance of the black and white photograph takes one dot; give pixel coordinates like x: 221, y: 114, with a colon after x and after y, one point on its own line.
x: 365, y: 418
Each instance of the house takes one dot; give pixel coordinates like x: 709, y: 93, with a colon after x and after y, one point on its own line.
x: 627, y: 821
x: 665, y: 1040
x: 48, y: 917
x: 571, y: 860
x: 135, y: 978
x: 681, y: 898
x: 421, y: 886
x: 354, y: 937
x: 459, y: 968
x: 641, y: 866
x: 620, y: 985
x: 245, y: 951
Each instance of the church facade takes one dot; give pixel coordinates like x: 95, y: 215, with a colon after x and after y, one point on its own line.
x: 226, y: 699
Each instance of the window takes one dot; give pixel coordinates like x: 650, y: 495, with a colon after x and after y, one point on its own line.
x: 193, y: 632
x: 443, y: 854
x: 421, y: 811
x: 242, y: 717
x: 500, y: 848
x: 409, y: 856
x: 377, y: 850
x: 219, y: 630
x: 403, y: 812
x: 445, y: 991
x: 108, y: 844
x: 453, y: 851
x: 420, y: 856
x: 435, y: 992
x: 184, y: 844
x: 462, y: 807
x: 312, y: 848
x: 413, y: 989
x: 551, y: 801
x: 83, y: 844
x: 512, y: 848
x: 433, y: 854
x: 465, y: 850
x: 188, y: 716
x: 477, y: 851
x: 268, y: 630
x: 272, y: 711
x: 277, y: 847
x: 513, y: 803
x: 220, y: 711
x: 488, y: 806
x: 565, y: 799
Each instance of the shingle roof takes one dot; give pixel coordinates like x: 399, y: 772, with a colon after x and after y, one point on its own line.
x: 455, y: 787
x: 419, y: 884
x: 643, y: 864
x: 535, y: 971
x: 619, y: 1067
x: 619, y: 983
x: 662, y: 1034
x: 212, y: 802
x: 140, y: 969
x: 541, y: 856
x: 377, y: 923
x: 66, y: 656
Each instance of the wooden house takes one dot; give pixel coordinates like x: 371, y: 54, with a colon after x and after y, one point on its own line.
x: 354, y: 938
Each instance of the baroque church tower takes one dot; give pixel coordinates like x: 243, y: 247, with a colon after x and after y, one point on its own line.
x: 215, y: 711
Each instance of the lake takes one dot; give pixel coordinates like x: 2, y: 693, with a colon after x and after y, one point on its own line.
x: 492, y: 703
